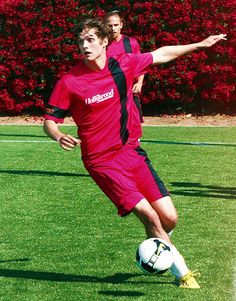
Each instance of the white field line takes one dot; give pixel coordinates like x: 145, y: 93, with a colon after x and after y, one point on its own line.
x: 143, y: 125
x: 187, y: 126
x: 27, y: 141
x: 142, y: 141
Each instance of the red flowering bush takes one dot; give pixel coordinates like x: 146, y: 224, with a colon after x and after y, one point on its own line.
x: 38, y: 44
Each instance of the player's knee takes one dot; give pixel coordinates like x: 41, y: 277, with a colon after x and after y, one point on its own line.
x: 173, y: 220
x: 170, y: 221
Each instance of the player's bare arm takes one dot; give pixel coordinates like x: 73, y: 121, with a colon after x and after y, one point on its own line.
x: 137, y: 87
x: 67, y: 142
x: 168, y: 53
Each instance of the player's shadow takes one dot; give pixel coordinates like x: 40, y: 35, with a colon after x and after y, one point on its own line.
x: 42, y: 173
x: 15, y: 260
x: 119, y: 278
x: 23, y: 135
x: 201, y: 190
x: 189, y: 143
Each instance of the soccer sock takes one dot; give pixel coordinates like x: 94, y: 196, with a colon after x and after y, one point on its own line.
x: 179, y: 267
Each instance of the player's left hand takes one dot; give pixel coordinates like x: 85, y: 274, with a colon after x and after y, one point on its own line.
x: 211, y: 40
x: 137, y: 88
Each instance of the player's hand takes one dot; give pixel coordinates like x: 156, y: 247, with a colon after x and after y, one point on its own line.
x: 211, y: 40
x: 68, y: 142
x: 137, y: 88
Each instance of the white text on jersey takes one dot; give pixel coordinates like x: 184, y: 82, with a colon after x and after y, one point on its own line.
x: 100, y: 97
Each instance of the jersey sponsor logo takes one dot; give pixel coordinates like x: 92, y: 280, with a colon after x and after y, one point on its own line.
x: 100, y: 97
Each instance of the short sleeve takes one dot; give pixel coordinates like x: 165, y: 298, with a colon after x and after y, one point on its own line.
x: 135, y: 46
x: 140, y: 62
x: 59, y: 102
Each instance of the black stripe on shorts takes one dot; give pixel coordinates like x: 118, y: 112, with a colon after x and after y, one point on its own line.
x: 157, y: 179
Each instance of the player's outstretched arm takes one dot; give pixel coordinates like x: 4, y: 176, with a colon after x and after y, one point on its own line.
x: 168, y: 53
x: 66, y: 141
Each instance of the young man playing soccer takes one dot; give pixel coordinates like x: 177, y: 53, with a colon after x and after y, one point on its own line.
x: 98, y: 93
x: 120, y: 44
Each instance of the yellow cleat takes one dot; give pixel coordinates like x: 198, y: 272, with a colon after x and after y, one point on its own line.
x: 188, y: 281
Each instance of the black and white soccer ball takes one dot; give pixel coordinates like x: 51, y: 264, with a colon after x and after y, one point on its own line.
x: 154, y: 256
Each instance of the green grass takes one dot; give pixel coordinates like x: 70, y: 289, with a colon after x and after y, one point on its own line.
x: 61, y: 238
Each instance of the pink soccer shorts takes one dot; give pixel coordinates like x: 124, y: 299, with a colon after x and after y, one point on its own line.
x: 128, y: 178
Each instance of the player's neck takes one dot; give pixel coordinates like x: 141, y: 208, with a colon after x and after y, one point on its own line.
x: 98, y: 64
x: 118, y: 38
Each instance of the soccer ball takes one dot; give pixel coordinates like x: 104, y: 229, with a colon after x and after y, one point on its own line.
x: 153, y: 256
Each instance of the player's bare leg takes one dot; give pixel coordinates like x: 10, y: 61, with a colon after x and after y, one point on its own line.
x: 153, y: 226
x: 166, y: 212
x: 150, y: 219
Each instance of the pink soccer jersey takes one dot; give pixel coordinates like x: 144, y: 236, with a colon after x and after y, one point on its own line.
x: 128, y: 45
x: 124, y: 45
x: 101, y: 104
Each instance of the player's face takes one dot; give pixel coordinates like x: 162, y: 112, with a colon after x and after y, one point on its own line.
x: 91, y: 46
x: 115, y: 24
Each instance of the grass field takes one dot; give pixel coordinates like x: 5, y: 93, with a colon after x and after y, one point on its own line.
x: 61, y: 239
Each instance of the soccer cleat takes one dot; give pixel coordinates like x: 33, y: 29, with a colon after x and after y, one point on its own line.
x: 188, y: 281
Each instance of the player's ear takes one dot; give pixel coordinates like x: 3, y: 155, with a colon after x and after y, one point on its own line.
x: 105, y: 42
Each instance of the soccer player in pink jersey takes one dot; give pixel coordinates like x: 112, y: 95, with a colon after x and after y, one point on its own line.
x: 98, y: 94
x: 120, y: 44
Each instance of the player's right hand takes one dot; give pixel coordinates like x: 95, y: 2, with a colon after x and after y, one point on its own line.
x: 68, y: 142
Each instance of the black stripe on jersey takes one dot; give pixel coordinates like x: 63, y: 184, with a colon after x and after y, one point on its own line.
x: 120, y: 81
x: 138, y: 105
x: 127, y: 45
x: 55, y: 112
x: 128, y: 49
x: 157, y: 179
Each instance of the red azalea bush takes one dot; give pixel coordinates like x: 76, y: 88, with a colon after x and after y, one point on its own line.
x: 38, y: 44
